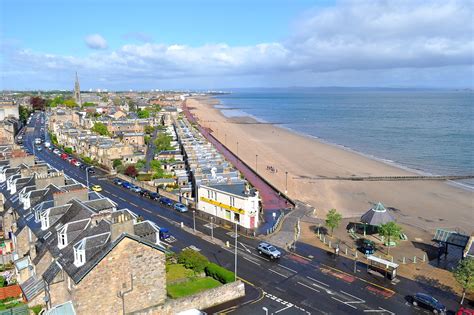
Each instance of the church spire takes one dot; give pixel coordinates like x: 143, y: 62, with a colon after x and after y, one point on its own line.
x: 77, y: 91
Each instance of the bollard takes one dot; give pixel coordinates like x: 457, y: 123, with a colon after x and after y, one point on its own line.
x: 414, y: 260
x: 324, y: 239
x: 403, y: 261
x: 329, y: 243
x: 320, y: 237
x: 182, y: 225
x: 356, y: 254
x: 424, y: 257
x: 346, y: 251
x: 227, y: 244
x: 391, y: 259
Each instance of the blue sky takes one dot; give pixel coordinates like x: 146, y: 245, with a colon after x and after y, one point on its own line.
x: 223, y: 44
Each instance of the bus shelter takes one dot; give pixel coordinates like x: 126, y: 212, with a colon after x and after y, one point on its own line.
x: 385, y: 267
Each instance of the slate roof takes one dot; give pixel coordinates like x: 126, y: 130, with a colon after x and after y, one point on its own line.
x: 378, y: 215
x: 32, y: 287
x: 100, y: 204
x: 147, y: 230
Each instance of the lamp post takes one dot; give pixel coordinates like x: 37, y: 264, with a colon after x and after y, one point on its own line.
x: 194, y: 221
x: 87, y: 176
x: 212, y: 228
x: 237, y: 148
x: 286, y: 182
x: 235, y: 245
x: 256, y: 163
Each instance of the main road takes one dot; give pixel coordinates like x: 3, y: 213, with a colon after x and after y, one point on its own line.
x: 294, y: 284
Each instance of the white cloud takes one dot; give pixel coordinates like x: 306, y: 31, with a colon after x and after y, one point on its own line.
x: 96, y: 41
x: 350, y: 41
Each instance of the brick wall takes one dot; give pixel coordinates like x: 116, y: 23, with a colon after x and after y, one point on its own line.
x: 203, y: 300
x: 44, y: 263
x: 97, y: 292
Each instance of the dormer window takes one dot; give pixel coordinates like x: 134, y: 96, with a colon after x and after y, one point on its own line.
x: 79, y: 256
x: 44, y: 220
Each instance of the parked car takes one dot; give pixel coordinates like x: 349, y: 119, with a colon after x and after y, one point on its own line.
x: 38, y: 148
x: 77, y: 163
x: 428, y: 302
x: 153, y: 196
x: 166, y: 201
x: 47, y: 144
x: 144, y: 193
x: 117, y: 181
x: 126, y: 185
x: 164, y: 233
x: 366, y: 247
x: 90, y: 170
x: 135, y: 189
x: 268, y: 250
x: 180, y: 207
x: 465, y: 311
x: 72, y: 161
x: 96, y: 188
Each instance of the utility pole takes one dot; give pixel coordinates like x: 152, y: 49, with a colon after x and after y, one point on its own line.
x: 87, y: 176
x: 286, y: 182
x: 256, y: 163
x: 235, y: 245
x: 194, y: 221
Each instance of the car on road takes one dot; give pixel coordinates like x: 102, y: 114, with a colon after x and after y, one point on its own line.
x: 144, y: 193
x: 268, y: 250
x: 90, y: 170
x: 164, y: 234
x: 77, y: 163
x: 135, y: 189
x: 465, y: 311
x: 117, y: 181
x: 96, y: 188
x: 64, y: 156
x: 428, y: 302
x: 180, y: 207
x: 72, y: 161
x: 366, y: 247
x: 126, y: 185
x: 166, y: 201
x: 153, y: 196
x: 47, y: 144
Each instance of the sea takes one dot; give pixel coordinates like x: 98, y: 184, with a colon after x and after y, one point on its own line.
x: 430, y: 131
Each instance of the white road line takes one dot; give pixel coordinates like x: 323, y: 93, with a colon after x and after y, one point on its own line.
x: 288, y: 268
x: 307, y: 286
x: 380, y: 310
x: 278, y: 273
x: 343, y: 302
x: 133, y: 204
x: 253, y: 262
x: 320, y: 282
x: 282, y: 309
x: 260, y: 257
x: 355, y: 297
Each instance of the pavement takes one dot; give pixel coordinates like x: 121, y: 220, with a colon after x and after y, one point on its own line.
x: 150, y: 150
x: 307, y: 281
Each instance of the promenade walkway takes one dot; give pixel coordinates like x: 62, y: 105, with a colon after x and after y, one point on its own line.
x: 272, y: 201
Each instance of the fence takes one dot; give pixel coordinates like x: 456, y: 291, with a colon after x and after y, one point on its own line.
x: 277, y: 222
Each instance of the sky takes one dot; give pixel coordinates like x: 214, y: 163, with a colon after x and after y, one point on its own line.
x: 150, y: 44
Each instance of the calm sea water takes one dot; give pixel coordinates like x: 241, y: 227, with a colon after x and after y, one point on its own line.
x: 427, y: 130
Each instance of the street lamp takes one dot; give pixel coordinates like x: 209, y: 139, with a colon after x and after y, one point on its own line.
x: 235, y: 245
x: 87, y: 176
x: 237, y: 148
x: 212, y: 228
x: 194, y: 221
x: 286, y: 182
x: 256, y: 163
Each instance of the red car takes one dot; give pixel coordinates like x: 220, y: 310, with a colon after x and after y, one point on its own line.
x: 64, y: 156
x: 465, y: 311
x: 73, y: 161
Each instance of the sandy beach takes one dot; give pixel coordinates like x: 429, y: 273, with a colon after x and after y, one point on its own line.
x: 423, y: 204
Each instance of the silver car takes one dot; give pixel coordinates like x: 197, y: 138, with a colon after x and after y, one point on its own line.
x: 268, y: 250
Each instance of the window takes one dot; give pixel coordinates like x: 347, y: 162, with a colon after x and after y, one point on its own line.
x: 232, y: 201
x: 62, y: 239
x: 79, y: 257
x: 44, y: 221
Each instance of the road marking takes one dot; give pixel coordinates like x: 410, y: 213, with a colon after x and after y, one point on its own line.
x: 278, y: 273
x: 282, y: 309
x: 304, y: 285
x: 260, y: 257
x: 253, y: 262
x: 133, y: 204
x: 380, y: 310
x: 343, y: 302
x: 320, y: 282
x: 288, y: 268
x: 248, y: 250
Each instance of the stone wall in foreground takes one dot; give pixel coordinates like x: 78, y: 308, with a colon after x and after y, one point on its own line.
x: 200, y: 301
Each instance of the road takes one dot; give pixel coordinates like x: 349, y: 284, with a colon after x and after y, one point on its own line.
x: 294, y: 284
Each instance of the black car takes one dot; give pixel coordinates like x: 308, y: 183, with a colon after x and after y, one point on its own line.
x: 91, y: 171
x: 154, y: 196
x: 428, y: 302
x: 144, y: 193
x: 166, y: 201
x: 117, y: 181
x: 366, y: 247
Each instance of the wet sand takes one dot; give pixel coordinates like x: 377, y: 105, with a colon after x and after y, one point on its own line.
x: 423, y: 204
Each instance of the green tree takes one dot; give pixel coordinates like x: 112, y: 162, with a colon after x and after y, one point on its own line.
x: 70, y: 103
x: 140, y: 165
x: 100, y: 128
x: 68, y: 150
x: 333, y: 218
x: 464, y: 275
x: 389, y: 230
x: 146, y: 138
x: 193, y: 260
x: 163, y: 142
x: 88, y: 104
x: 117, y: 163
x: 149, y: 129
x: 132, y: 107
x: 143, y: 114
x: 24, y: 113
